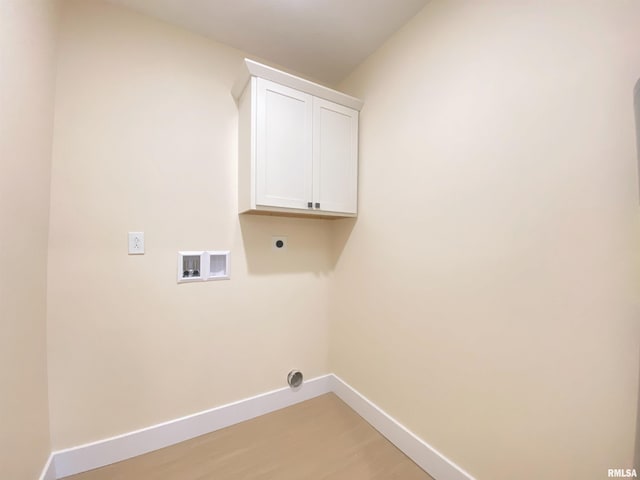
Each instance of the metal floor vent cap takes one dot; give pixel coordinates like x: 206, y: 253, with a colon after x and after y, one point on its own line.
x: 294, y: 379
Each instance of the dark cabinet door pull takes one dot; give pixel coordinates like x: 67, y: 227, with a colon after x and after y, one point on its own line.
x: 317, y: 205
x: 309, y: 204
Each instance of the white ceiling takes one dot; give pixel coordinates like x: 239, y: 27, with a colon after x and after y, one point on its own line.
x: 321, y: 39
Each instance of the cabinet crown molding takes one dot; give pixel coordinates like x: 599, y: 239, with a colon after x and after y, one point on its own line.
x: 255, y: 69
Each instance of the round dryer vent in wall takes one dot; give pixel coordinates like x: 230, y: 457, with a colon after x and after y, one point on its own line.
x: 294, y: 379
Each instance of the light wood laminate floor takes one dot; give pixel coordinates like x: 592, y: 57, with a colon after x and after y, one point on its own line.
x: 318, y: 439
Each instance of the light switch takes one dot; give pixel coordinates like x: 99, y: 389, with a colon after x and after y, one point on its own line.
x: 136, y: 243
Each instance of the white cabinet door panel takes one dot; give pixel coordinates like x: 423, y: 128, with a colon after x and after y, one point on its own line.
x: 284, y: 147
x: 335, y: 157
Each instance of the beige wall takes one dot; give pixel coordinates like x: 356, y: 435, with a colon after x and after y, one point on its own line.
x: 482, y: 297
x: 27, y: 40
x: 146, y: 140
x: 636, y: 105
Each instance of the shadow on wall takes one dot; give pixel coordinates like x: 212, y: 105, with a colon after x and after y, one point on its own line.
x: 341, y: 230
x: 310, y: 245
x: 636, y: 105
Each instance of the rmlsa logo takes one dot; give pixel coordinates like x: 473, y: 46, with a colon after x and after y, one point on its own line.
x: 623, y: 473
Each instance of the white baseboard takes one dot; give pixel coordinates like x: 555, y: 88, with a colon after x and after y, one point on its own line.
x: 49, y: 470
x: 423, y: 454
x: 122, y: 447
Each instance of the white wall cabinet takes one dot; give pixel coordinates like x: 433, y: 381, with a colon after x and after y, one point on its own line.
x: 298, y: 146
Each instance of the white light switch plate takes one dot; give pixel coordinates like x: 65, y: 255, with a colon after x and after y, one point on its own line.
x: 136, y: 243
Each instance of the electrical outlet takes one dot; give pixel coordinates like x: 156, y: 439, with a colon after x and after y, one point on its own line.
x: 136, y: 243
x: 279, y: 244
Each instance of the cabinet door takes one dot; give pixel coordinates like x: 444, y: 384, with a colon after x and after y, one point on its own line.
x: 283, y: 146
x: 335, y: 157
